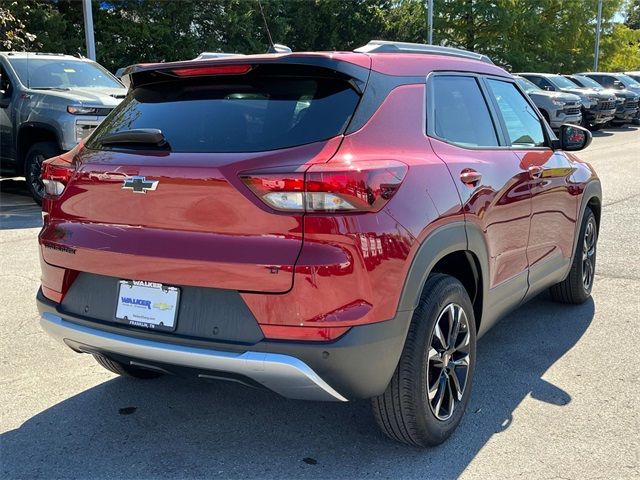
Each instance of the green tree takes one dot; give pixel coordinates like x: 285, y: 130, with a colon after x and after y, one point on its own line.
x: 13, y: 33
x: 633, y: 15
x: 543, y: 35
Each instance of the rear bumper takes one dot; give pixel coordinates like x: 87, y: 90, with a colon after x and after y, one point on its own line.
x: 357, y: 365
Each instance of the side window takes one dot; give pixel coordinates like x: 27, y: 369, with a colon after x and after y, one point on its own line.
x: 5, y: 83
x: 461, y: 112
x: 522, y: 122
x: 546, y: 84
x: 605, y: 81
x: 539, y: 81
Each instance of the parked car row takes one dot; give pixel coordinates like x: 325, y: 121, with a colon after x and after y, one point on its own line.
x: 603, y: 98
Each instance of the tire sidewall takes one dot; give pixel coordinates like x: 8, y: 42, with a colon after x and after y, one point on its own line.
x: 46, y: 149
x: 439, y: 430
x: 588, y: 217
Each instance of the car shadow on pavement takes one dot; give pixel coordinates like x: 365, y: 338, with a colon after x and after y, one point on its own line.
x: 601, y: 133
x: 17, y: 208
x: 178, y: 428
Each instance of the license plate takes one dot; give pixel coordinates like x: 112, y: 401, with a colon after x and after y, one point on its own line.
x: 147, y: 304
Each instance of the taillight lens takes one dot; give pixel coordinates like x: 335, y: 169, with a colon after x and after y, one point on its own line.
x: 334, y: 187
x: 56, y: 173
x: 282, y: 191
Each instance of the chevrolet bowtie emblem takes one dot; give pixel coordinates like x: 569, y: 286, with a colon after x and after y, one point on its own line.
x: 162, y: 306
x: 139, y: 184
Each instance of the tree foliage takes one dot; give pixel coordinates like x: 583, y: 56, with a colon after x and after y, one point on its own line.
x: 542, y: 35
x: 13, y: 34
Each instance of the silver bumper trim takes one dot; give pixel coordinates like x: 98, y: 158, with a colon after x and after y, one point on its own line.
x: 283, y: 374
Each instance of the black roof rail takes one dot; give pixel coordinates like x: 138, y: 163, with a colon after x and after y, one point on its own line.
x: 384, y: 46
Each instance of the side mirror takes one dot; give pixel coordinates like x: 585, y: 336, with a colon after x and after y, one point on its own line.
x: 573, y: 138
x: 548, y: 88
x: 618, y: 84
x: 5, y: 99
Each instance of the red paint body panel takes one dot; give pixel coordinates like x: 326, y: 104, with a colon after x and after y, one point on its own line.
x: 201, y: 226
x: 500, y: 205
x: 555, y: 204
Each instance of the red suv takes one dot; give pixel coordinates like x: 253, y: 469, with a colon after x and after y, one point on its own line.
x: 330, y: 226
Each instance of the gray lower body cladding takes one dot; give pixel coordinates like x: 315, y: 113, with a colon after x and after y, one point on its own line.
x: 357, y: 365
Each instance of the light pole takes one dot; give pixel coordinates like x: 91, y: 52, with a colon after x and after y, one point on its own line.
x: 430, y: 21
x: 598, y: 23
x: 88, y: 29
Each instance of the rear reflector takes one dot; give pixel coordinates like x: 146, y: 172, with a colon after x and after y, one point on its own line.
x: 309, y: 334
x: 52, y: 294
x: 345, y: 187
x: 212, y: 70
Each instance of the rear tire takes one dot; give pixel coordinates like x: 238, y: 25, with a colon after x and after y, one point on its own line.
x: 423, y: 403
x: 125, y: 370
x: 38, y: 153
x: 576, y: 288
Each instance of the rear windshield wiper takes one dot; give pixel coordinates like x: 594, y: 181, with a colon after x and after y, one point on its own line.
x: 139, y: 136
x: 62, y: 89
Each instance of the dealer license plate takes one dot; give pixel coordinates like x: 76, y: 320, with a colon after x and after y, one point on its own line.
x: 147, y: 304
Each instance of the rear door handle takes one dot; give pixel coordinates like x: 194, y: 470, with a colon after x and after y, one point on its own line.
x: 468, y: 176
x: 535, y: 171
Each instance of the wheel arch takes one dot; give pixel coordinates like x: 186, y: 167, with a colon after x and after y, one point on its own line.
x: 592, y: 198
x: 31, y: 133
x: 455, y: 249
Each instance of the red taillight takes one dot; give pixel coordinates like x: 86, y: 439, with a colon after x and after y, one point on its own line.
x: 212, y: 70
x: 282, y: 191
x: 56, y: 173
x: 333, y: 187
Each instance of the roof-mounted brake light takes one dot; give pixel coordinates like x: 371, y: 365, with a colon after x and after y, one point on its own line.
x: 212, y: 70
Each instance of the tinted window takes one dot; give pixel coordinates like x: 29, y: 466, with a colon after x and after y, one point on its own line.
x: 587, y: 82
x: 561, y: 82
x: 236, y: 114
x: 461, y: 113
x: 527, y: 85
x: 5, y: 83
x: 523, y: 124
x: 603, y: 80
x: 540, y: 82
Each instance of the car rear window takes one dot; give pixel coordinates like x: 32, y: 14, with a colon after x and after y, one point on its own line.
x: 240, y: 113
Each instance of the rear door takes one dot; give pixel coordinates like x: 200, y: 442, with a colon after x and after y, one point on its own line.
x: 491, y: 182
x: 178, y: 212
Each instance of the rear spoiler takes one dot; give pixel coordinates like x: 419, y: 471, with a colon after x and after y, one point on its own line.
x: 141, y: 74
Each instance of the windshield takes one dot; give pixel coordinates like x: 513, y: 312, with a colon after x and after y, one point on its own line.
x: 561, y: 81
x: 527, y: 85
x: 629, y: 82
x: 64, y: 74
x: 588, y: 82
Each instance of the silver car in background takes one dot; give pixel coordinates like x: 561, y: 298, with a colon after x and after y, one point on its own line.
x: 597, y: 108
x: 556, y: 107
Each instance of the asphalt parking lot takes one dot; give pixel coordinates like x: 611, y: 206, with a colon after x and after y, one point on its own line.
x: 556, y: 395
